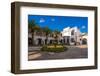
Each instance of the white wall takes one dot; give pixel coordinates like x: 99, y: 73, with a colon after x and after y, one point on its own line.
x: 5, y: 33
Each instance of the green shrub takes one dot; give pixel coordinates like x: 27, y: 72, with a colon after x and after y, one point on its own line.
x: 52, y: 48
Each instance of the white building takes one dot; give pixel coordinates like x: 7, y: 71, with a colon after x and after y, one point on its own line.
x: 84, y: 38
x: 71, y: 36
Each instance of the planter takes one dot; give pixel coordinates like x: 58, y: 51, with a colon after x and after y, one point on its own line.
x: 52, y: 48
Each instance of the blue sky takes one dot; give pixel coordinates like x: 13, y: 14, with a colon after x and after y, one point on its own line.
x: 60, y: 22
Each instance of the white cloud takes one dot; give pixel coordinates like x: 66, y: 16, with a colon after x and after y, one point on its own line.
x: 42, y: 20
x: 52, y: 19
x: 83, y: 27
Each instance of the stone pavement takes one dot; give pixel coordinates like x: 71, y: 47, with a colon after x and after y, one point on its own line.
x: 73, y: 52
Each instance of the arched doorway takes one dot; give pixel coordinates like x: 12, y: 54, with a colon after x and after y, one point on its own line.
x: 30, y: 41
x: 51, y: 41
x: 61, y: 41
x: 84, y: 41
x: 39, y: 41
x: 45, y: 41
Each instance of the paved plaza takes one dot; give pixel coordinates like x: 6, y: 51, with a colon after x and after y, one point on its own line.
x: 73, y: 52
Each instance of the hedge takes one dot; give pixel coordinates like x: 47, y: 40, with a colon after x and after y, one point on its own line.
x: 52, y: 48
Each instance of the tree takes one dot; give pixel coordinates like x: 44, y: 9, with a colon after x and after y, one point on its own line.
x: 47, y: 31
x: 56, y: 35
x: 33, y: 27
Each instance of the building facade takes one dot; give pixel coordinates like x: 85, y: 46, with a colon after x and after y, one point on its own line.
x: 72, y: 36
x: 69, y: 36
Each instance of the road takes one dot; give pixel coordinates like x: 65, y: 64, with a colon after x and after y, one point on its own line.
x: 71, y: 53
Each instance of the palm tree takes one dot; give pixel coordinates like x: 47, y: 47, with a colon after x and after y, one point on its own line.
x: 33, y: 27
x: 56, y: 34
x: 47, y: 31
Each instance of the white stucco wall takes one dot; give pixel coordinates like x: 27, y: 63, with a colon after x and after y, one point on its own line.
x: 67, y: 31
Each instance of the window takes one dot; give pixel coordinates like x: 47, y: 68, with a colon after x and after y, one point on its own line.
x: 72, y: 33
x: 72, y: 40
